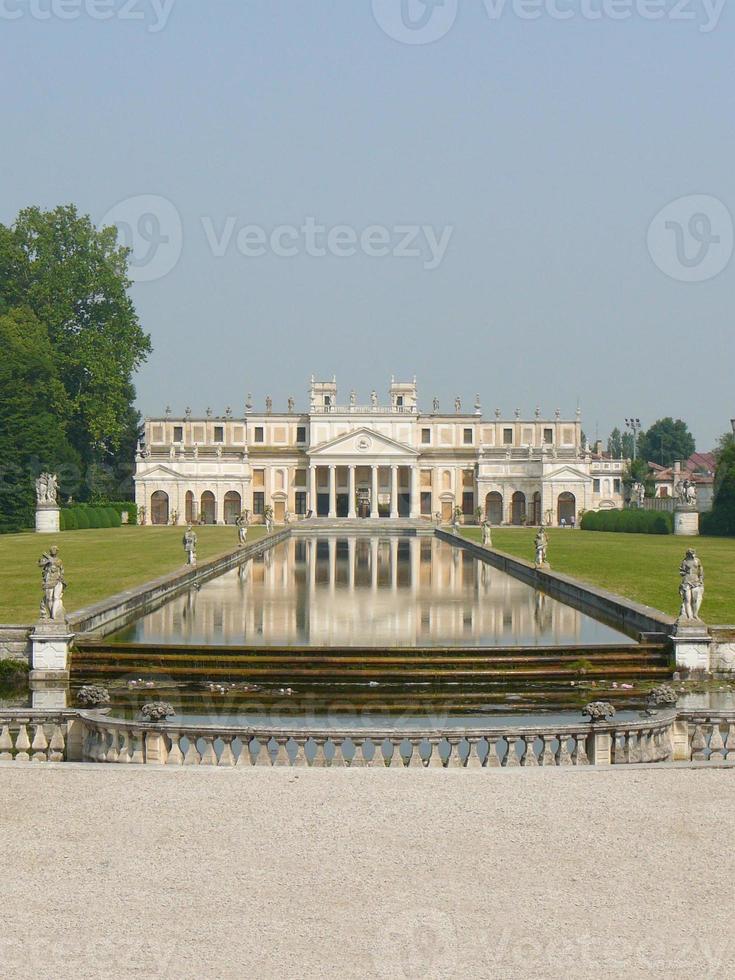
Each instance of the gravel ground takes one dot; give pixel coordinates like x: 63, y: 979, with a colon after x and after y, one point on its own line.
x: 126, y: 872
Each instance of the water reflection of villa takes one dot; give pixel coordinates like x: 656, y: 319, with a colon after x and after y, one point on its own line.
x: 370, y: 591
x: 392, y: 460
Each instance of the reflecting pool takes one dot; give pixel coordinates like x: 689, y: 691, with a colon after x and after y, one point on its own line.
x: 374, y: 591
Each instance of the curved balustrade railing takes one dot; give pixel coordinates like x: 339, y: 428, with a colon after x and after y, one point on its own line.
x: 114, y: 740
x: 28, y: 735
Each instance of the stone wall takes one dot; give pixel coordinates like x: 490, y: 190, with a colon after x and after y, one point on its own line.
x: 15, y: 643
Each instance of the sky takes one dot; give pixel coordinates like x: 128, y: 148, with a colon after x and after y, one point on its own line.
x: 529, y: 200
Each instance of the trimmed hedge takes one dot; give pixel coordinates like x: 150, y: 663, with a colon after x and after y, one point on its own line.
x: 628, y: 521
x: 80, y: 517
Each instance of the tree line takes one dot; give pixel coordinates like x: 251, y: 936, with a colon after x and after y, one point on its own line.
x: 71, y: 343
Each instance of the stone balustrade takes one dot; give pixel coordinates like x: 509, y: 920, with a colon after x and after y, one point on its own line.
x: 114, y: 740
x: 34, y: 736
x: 94, y: 736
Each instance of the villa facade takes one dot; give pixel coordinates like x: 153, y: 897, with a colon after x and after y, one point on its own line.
x: 376, y: 460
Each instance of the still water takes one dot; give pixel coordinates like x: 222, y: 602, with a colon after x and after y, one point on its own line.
x: 381, y: 591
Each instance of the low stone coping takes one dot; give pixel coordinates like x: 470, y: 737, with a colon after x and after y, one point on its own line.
x: 114, y: 612
x: 632, y: 617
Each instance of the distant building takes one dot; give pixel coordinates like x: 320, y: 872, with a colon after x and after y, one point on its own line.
x: 372, y: 460
x: 698, y: 469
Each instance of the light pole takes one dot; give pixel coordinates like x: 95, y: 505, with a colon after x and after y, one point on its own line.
x: 635, y: 426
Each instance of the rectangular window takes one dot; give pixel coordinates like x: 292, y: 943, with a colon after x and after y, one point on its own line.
x: 595, y: 486
x: 258, y: 437
x: 300, y: 502
x: 425, y: 504
x: 258, y: 502
x: 617, y: 486
x: 548, y: 436
x: 300, y: 478
x: 219, y: 433
x: 301, y: 433
x: 426, y: 478
x: 426, y: 436
x: 258, y: 478
x: 467, y: 439
x: 468, y: 503
x: 399, y: 401
x: 178, y: 433
x: 507, y: 437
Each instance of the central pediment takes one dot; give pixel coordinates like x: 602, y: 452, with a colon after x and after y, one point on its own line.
x: 363, y: 443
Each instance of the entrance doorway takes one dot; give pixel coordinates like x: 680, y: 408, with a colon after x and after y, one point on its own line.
x: 159, y: 507
x: 208, y: 508
x: 233, y: 506
x: 494, y: 507
x: 518, y: 508
x: 566, y: 507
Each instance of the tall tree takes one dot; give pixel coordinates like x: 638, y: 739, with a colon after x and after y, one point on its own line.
x: 627, y: 442
x: 615, y: 444
x: 722, y: 518
x: 33, y: 411
x: 666, y: 441
x: 74, y: 278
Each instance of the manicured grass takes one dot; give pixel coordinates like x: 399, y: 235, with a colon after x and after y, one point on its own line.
x: 643, y: 567
x: 98, y: 563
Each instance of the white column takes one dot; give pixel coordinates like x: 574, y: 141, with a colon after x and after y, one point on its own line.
x: 414, y: 486
x: 312, y: 489
x: 351, y: 560
x: 351, y: 512
x: 332, y: 491
x: 394, y: 491
x: 374, y: 492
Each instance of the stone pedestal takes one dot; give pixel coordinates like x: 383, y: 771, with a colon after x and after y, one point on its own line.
x: 50, y: 642
x: 47, y: 519
x: 50, y: 695
x: 692, y: 645
x: 686, y: 520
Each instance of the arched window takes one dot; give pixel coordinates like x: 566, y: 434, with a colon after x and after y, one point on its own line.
x: 518, y: 508
x: 566, y: 507
x: 233, y: 506
x: 208, y: 510
x: 494, y: 507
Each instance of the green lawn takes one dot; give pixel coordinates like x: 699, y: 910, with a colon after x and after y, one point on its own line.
x: 98, y: 563
x: 644, y: 567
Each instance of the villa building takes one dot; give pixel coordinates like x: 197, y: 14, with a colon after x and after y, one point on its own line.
x: 376, y: 460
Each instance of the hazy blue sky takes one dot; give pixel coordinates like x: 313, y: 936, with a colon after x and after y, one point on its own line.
x: 544, y: 148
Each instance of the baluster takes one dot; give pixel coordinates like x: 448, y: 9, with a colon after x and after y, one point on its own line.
x: 455, y: 760
x: 493, y: 754
x: 548, y: 756
x: 39, y: 745
x: 378, y: 760
x: 511, y: 756
x: 580, y: 757
x: 358, y: 759
x: 192, y: 757
x: 716, y: 745
x: 22, y: 744
x: 281, y: 758
x: 299, y: 761
x: 338, y: 759
x: 175, y: 756
x: 646, y: 747
x: 6, y: 745
x: 434, y: 760
x: 320, y: 759
x: 396, y: 760
x: 729, y: 743
x: 101, y: 753
x: 474, y: 761
x: 124, y: 753
x: 57, y: 745
x: 227, y: 756
x: 263, y: 757
x: 137, y: 757
x: 529, y: 755
x: 699, y: 744
x: 112, y: 753
x: 622, y: 755
x: 563, y: 758
x: 415, y: 758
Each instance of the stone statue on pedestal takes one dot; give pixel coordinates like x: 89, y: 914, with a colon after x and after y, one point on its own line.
x: 269, y: 404
x: 353, y: 398
x: 242, y: 523
x: 374, y: 399
x: 436, y: 405
x: 541, y: 543
x: 291, y: 404
x: 47, y: 488
x: 458, y: 405
x: 190, y: 545
x: 52, y: 575
x: 487, y: 537
x: 691, y: 588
